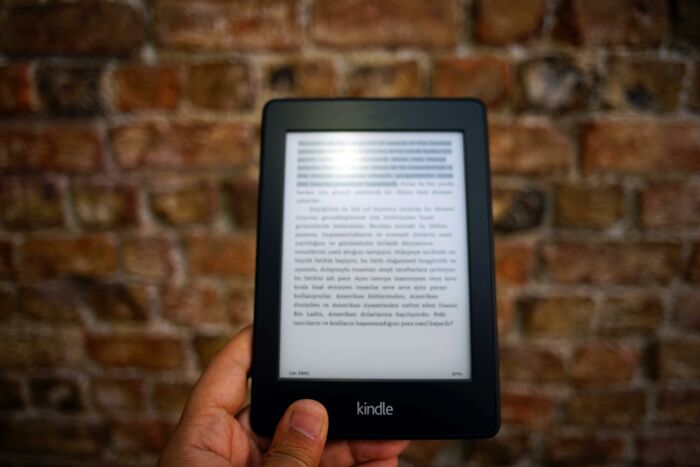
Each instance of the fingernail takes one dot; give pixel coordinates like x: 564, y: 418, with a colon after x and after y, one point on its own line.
x: 306, y: 419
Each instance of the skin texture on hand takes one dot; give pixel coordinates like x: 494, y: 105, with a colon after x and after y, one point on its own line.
x: 209, y: 434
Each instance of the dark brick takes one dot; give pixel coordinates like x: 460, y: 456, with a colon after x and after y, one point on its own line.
x: 30, y: 203
x: 686, y: 311
x: 517, y: 210
x: 11, y: 398
x: 70, y: 90
x: 642, y: 84
x: 583, y: 449
x: 117, y: 302
x: 16, y: 89
x: 242, y: 200
x: 53, y: 301
x: 77, y: 438
x: 303, y: 78
x: 686, y: 22
x: 630, y: 315
x: 56, y: 393
x: 619, y: 408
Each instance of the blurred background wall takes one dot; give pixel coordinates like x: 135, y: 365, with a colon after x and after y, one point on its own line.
x: 128, y: 176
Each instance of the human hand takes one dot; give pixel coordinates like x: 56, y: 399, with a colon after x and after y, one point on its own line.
x: 209, y: 434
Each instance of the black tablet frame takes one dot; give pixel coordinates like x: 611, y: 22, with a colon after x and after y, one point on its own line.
x: 422, y: 409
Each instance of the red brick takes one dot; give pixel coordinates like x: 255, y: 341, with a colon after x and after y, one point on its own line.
x: 117, y: 302
x: 641, y: 147
x: 184, y: 145
x: 613, y: 263
x: 615, y: 22
x: 194, y: 303
x: 671, y: 205
x: 70, y: 90
x: 216, y: 25
x: 207, y: 346
x: 505, y: 304
x: 77, y: 438
x: 555, y: 83
x: 71, y: 149
x: 642, y: 84
x: 170, y: 398
x: 181, y: 201
x: 621, y: 408
x: 679, y: 406
x: 16, y: 89
x: 526, y: 408
x: 54, y: 301
x: 11, y: 397
x: 57, y: 256
x: 56, y: 393
x: 148, y: 258
x: 485, y: 78
x: 151, y: 351
x: 584, y: 449
x: 303, y: 78
x: 24, y: 348
x: 221, y: 86
x: 498, y: 23
x: 226, y: 256
x: 513, y: 261
x: 242, y: 197
x: 106, y: 204
x: 605, y: 363
x: 239, y: 305
x: 31, y: 203
x: 389, y: 23
x: 7, y: 268
x: 630, y: 315
x: 678, y: 360
x: 557, y: 316
x: 532, y: 149
x: 589, y: 206
x: 146, y: 87
x: 531, y: 364
x: 400, y: 79
x: 106, y: 28
x: 686, y: 311
x: 668, y: 449
x: 116, y: 395
x: 139, y: 436
x: 516, y: 209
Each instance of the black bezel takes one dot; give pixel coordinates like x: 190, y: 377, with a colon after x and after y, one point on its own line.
x: 422, y: 409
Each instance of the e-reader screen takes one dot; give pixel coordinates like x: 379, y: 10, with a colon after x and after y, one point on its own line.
x: 374, y: 282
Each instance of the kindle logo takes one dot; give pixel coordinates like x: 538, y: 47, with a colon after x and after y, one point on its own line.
x: 380, y: 409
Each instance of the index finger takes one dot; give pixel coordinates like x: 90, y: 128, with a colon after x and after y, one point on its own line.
x: 224, y: 383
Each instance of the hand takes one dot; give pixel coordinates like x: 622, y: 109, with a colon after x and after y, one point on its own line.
x: 208, y: 433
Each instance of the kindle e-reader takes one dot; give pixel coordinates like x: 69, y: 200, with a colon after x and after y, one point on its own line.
x: 374, y: 290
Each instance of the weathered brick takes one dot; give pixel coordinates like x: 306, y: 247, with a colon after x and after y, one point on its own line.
x: 637, y: 23
x: 58, y: 256
x: 117, y: 302
x: 385, y: 80
x: 583, y: 449
x: 239, y: 305
x: 678, y: 360
x: 641, y: 147
x: 53, y: 301
x: 504, y: 449
x: 117, y: 394
x: 105, y: 204
x: 138, y: 435
x: 151, y: 351
x: 613, y: 263
x: 184, y: 145
x: 77, y: 438
x: 618, y: 408
x: 527, y: 363
x: 686, y: 310
x: 668, y: 449
x: 31, y: 203
x: 242, y: 200
x: 171, y: 397
x: 516, y: 209
x: 181, y: 201
x: 146, y: 87
x: 24, y: 348
x: 70, y: 90
x: 693, y: 272
x: 207, y: 346
x: 227, y: 256
x: 591, y: 206
x: 7, y: 269
x: 11, y: 397
x: 527, y: 408
x: 303, y: 78
x: 16, y: 89
x: 630, y: 315
x: 671, y: 205
x: 513, y: 261
x: 554, y: 84
x: 642, y: 84
x: 215, y: 25
x: 679, y: 406
x: 62, y: 149
x: 8, y: 303
x: 105, y: 28
x: 529, y: 149
x: 56, y: 393
x: 389, y: 23
x: 693, y: 100
x: 605, y: 363
x: 195, y: 303
x: 556, y: 316
x: 685, y: 23
x: 148, y: 258
x: 485, y: 78
x: 498, y: 23
x: 221, y: 86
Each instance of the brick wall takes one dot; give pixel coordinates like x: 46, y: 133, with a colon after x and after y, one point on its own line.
x: 128, y: 154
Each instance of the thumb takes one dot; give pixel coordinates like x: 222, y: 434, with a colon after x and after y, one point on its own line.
x: 300, y: 436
